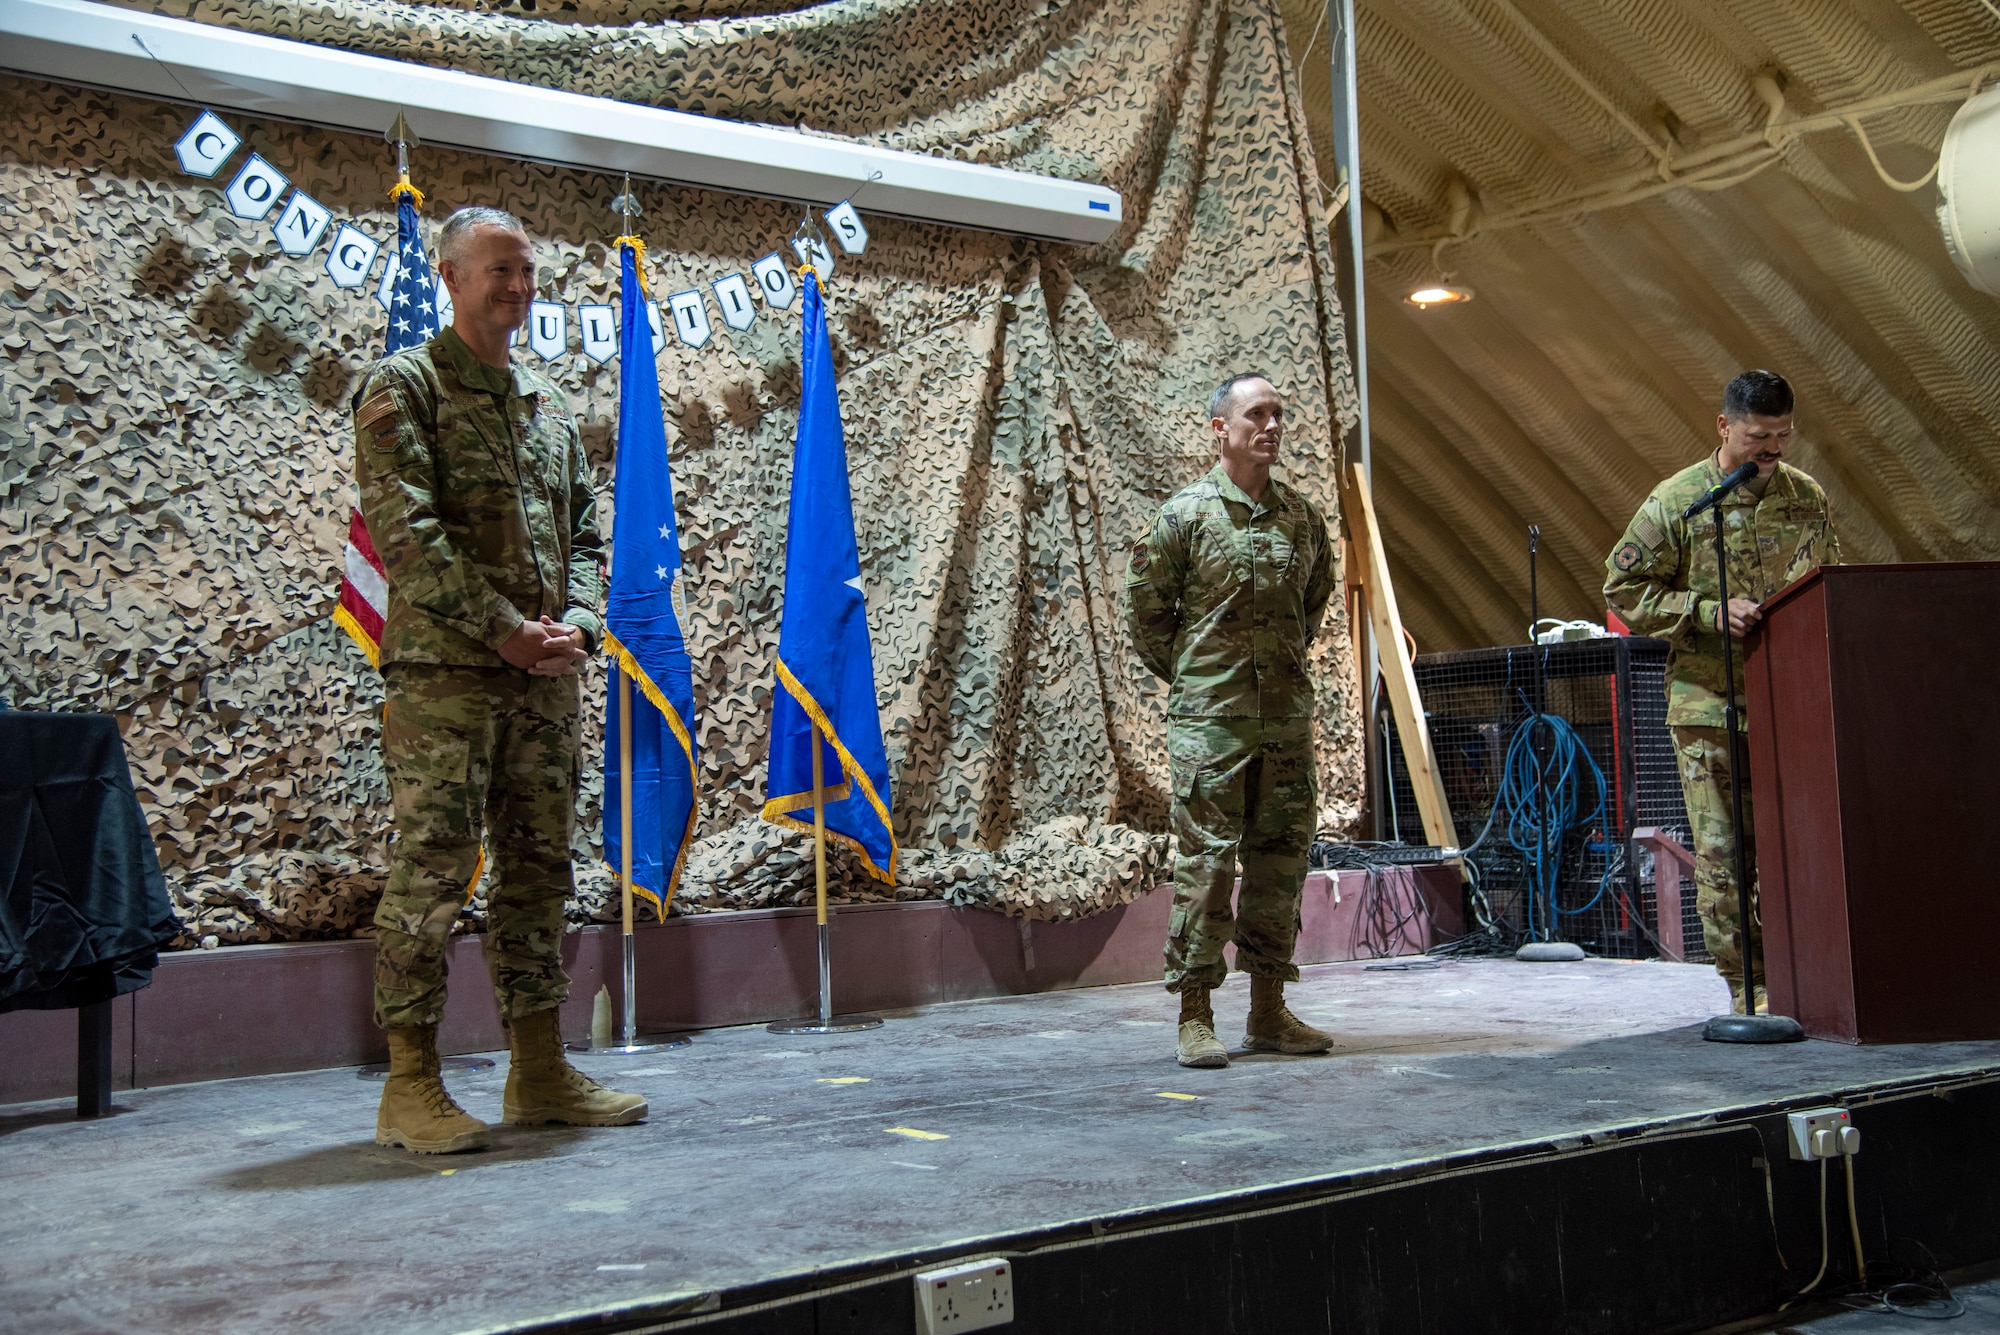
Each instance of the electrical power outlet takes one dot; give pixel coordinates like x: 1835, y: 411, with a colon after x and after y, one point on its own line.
x: 972, y: 1295
x: 1822, y: 1133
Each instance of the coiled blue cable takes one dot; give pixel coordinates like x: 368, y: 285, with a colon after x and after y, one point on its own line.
x: 1569, y: 776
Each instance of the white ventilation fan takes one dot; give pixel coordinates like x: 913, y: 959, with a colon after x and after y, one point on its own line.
x: 1969, y: 191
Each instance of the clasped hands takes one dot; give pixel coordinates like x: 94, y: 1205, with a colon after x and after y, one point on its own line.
x: 545, y: 648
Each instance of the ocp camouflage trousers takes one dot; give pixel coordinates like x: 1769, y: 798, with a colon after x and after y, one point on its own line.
x: 1704, y: 765
x: 467, y: 748
x: 1246, y: 794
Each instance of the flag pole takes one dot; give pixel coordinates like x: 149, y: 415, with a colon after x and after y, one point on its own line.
x: 631, y: 1016
x: 819, y: 881
x: 627, y: 1039
x: 826, y: 1022
x: 626, y: 206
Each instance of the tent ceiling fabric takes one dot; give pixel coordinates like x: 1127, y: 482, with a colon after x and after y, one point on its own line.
x: 1591, y: 362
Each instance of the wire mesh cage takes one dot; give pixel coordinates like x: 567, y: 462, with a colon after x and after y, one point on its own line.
x: 1610, y: 695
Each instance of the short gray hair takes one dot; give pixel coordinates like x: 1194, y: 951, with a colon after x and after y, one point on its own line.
x: 458, y: 228
x: 1218, y: 402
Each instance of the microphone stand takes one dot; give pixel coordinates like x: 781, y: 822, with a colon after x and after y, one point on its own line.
x: 1748, y: 1027
x: 1548, y: 929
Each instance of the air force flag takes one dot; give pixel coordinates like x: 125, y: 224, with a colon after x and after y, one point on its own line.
x: 645, y: 617
x: 826, y: 672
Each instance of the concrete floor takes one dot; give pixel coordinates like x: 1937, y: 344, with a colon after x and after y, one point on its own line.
x: 263, y: 1204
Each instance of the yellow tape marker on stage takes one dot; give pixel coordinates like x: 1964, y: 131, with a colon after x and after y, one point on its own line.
x: 1189, y: 1097
x: 845, y: 1079
x: 913, y: 1133
x: 446, y: 1172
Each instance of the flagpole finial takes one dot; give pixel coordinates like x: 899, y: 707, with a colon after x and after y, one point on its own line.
x: 404, y: 138
x: 810, y: 224
x: 626, y: 205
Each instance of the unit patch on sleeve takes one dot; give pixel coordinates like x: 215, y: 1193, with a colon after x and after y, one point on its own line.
x: 1628, y: 557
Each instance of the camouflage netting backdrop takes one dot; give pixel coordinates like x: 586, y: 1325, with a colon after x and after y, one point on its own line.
x: 174, y: 450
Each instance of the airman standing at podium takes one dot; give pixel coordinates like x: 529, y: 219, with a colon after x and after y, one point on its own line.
x: 1661, y: 580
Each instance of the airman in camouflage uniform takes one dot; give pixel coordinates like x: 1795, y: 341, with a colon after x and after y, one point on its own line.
x: 1223, y: 599
x: 1661, y: 580
x: 477, y: 495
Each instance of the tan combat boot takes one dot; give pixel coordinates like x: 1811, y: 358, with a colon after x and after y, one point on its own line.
x: 543, y: 1087
x: 1756, y: 992
x: 417, y: 1114
x: 1198, y: 1045
x: 1273, y: 1027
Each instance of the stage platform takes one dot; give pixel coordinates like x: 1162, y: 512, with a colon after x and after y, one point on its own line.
x: 1496, y: 1146
x: 300, y: 1006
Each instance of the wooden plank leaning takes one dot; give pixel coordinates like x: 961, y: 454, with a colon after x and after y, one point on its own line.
x: 1398, y: 674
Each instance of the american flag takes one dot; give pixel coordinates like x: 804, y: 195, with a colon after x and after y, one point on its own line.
x: 413, y: 301
x: 413, y: 315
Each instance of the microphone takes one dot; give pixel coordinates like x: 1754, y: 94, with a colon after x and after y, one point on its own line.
x: 1723, y: 488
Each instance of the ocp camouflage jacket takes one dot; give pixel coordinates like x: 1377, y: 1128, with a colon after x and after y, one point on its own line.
x: 477, y: 496
x: 1224, y: 596
x: 1660, y: 578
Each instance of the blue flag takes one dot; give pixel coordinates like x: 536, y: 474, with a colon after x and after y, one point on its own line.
x: 826, y: 672
x: 413, y: 301
x: 644, y: 616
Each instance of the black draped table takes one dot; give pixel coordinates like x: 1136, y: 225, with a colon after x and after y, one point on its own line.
x: 83, y: 907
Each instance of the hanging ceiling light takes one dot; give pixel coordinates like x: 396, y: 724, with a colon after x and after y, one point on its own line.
x: 1436, y: 292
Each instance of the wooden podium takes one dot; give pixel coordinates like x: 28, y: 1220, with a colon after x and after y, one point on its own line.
x: 1874, y: 741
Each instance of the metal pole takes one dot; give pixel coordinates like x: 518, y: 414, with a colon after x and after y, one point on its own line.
x: 1748, y: 1027
x: 1534, y: 589
x: 825, y: 1022
x: 1349, y: 258
x: 630, y: 1026
x: 1544, y: 886
x: 628, y: 1040
x: 1347, y: 158
x: 1730, y: 721
x: 819, y: 880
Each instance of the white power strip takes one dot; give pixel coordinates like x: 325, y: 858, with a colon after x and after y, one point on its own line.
x: 972, y: 1295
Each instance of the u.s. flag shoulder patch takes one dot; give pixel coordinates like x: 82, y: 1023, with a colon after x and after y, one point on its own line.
x: 380, y: 404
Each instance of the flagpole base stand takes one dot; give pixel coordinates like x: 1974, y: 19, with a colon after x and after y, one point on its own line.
x: 644, y: 1043
x: 812, y: 1024
x: 1753, y: 1029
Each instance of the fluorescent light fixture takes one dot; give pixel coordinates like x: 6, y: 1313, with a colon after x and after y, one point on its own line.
x: 1438, y: 294
x: 76, y: 41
